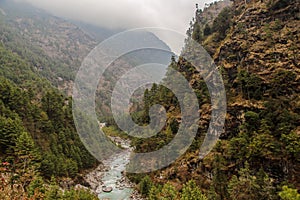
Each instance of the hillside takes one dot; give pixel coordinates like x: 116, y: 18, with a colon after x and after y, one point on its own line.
x: 56, y: 47
x: 127, y: 62
x: 255, y: 45
x: 41, y: 153
x: 36, y: 133
x: 53, y: 46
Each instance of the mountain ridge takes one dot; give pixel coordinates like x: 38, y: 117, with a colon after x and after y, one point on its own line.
x: 254, y: 44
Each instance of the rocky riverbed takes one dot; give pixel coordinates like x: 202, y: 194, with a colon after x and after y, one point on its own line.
x: 111, y: 174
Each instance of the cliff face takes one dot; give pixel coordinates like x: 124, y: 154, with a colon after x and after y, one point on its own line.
x: 260, y: 60
x: 262, y: 39
x: 262, y: 45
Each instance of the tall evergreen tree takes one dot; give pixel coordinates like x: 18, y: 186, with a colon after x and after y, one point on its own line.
x: 190, y: 191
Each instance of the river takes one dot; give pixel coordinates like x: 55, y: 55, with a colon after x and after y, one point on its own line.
x: 110, y: 174
x: 115, y: 179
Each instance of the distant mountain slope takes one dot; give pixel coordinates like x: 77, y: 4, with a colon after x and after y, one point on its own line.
x: 129, y: 61
x: 97, y: 33
x: 55, y: 46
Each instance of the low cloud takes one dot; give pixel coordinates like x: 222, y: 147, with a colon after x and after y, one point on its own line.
x: 125, y: 14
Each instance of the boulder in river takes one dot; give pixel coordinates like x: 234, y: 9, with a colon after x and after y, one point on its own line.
x: 107, y: 189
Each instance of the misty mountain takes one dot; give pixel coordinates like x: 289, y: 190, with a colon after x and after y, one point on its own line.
x: 55, y: 46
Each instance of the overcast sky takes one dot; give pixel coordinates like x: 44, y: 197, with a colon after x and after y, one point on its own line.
x: 126, y: 14
x: 173, y: 14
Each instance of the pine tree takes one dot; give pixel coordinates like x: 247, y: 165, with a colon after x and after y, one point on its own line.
x: 266, y: 188
x: 10, y: 130
x: 190, y: 191
x: 36, y: 189
x: 53, y: 192
x: 154, y: 193
x: 197, y: 33
x: 243, y: 187
x: 219, y: 178
x: 145, y: 185
x: 27, y: 159
x: 168, y: 192
x: 207, y: 30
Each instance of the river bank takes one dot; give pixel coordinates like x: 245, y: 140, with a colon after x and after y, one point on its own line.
x: 110, y: 173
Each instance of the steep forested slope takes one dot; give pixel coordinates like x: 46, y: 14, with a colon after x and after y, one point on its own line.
x: 37, y: 134
x: 38, y: 140
x: 255, y: 45
x: 43, y: 112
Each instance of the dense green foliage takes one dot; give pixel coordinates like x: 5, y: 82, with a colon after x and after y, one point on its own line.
x: 37, y: 133
x: 36, y: 60
x: 190, y: 191
x: 222, y: 23
x: 49, y: 122
x: 38, y: 189
x: 289, y: 193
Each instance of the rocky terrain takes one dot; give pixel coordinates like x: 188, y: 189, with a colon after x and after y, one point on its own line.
x: 96, y: 178
x: 255, y: 46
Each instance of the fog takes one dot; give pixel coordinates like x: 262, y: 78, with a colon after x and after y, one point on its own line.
x: 125, y: 14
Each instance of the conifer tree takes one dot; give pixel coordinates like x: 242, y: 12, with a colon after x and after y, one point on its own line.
x: 190, y: 191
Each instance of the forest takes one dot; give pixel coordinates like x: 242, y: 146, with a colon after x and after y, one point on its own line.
x: 255, y: 45
x: 38, y: 140
x: 257, y: 157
